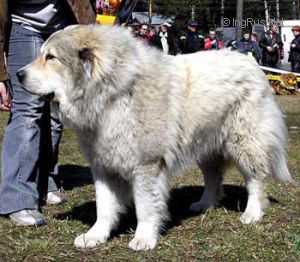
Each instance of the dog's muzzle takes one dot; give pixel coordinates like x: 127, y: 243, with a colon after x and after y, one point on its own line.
x: 21, y: 75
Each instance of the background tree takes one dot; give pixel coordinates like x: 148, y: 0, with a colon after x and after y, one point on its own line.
x: 208, y: 12
x: 239, y: 17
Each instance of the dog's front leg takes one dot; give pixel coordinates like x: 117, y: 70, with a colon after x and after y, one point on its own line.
x: 150, y: 192
x: 109, y: 206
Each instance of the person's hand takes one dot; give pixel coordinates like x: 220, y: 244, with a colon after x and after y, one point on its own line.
x: 5, y: 99
x: 269, y: 48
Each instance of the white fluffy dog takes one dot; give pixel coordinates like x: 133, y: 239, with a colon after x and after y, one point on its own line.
x: 141, y: 115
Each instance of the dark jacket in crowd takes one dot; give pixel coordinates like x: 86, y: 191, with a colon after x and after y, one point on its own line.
x: 171, y: 41
x: 273, y: 40
x: 294, y: 56
x: 246, y: 46
x: 192, y: 42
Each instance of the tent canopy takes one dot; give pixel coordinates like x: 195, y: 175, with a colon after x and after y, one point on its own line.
x: 156, y: 19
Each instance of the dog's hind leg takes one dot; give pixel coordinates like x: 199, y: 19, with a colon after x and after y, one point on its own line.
x: 213, y: 176
x: 112, y: 195
x: 256, y: 141
x: 257, y: 201
x: 253, y: 162
x: 151, y: 191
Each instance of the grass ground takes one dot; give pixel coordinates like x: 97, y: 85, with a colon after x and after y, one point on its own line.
x: 216, y: 235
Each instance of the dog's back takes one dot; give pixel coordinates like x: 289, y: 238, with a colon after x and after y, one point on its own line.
x: 228, y: 99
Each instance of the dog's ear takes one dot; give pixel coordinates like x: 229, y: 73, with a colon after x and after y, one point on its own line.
x: 87, y: 57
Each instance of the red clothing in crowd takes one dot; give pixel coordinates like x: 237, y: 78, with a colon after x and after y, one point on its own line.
x: 213, y: 44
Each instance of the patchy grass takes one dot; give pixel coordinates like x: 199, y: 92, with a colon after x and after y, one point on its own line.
x: 216, y: 235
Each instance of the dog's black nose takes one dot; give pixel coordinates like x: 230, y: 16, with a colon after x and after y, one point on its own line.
x: 49, y: 97
x: 21, y: 76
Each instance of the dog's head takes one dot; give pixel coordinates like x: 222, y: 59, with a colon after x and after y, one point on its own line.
x: 72, y: 60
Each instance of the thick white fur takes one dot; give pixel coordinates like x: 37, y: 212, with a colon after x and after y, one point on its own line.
x: 141, y: 116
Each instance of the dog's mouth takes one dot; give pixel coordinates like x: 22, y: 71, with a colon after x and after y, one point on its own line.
x: 49, y: 97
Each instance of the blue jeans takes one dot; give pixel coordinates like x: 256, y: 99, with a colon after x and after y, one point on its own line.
x: 31, y: 139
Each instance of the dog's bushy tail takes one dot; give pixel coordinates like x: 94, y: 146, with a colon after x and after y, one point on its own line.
x: 258, y: 139
x: 275, y: 140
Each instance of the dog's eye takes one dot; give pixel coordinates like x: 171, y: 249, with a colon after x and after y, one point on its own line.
x: 49, y: 57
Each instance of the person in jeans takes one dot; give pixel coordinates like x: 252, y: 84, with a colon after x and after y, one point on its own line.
x: 32, y: 135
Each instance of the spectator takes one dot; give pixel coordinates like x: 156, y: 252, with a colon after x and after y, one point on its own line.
x: 165, y: 40
x: 192, y: 41
x: 31, y: 139
x: 143, y: 33
x: 254, y: 37
x: 231, y: 45
x: 152, y: 34
x: 248, y: 47
x: 294, y: 56
x: 272, y: 47
x: 134, y: 29
x: 212, y: 42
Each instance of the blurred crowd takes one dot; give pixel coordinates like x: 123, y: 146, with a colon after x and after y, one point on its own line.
x: 267, y: 48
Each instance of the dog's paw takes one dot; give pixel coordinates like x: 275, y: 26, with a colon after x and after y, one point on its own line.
x: 142, y: 243
x: 251, y: 218
x: 88, y: 241
x: 201, y: 206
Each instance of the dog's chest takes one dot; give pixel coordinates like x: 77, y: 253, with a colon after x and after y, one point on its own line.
x: 116, y: 142
x: 118, y: 151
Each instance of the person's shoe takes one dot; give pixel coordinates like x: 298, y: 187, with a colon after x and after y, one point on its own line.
x: 27, y: 217
x: 55, y: 198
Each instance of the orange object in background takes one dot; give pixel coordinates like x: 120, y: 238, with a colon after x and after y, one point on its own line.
x: 115, y: 4
x: 106, y: 15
